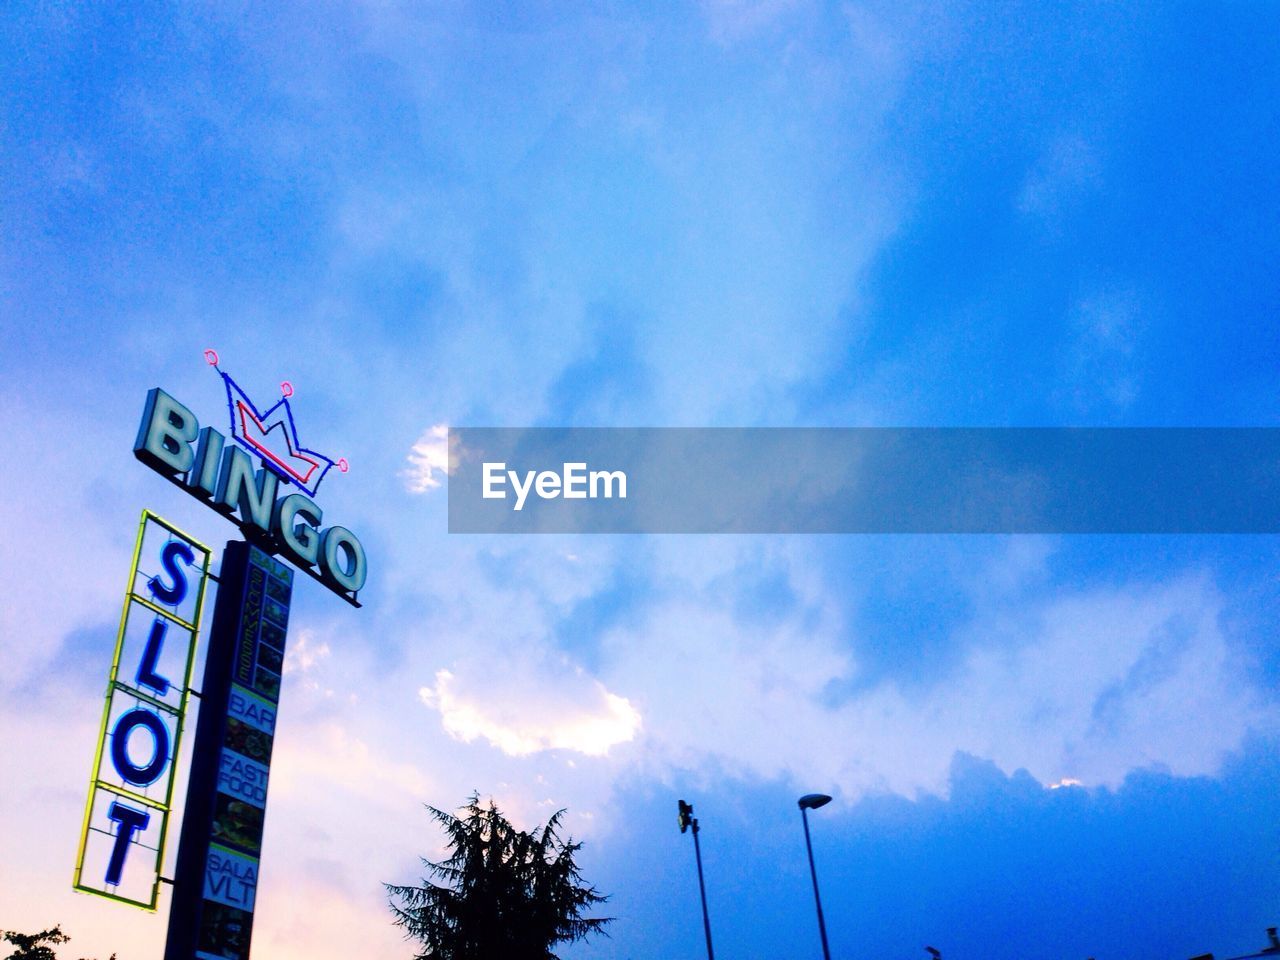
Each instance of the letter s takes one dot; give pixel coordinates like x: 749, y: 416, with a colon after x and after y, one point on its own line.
x: 172, y: 595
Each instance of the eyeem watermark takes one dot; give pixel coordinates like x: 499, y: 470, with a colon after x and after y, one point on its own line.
x: 1046, y: 480
x: 573, y: 482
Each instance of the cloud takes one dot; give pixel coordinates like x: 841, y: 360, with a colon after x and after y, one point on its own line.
x: 744, y: 656
x: 1085, y: 685
x: 343, y: 811
x: 730, y: 205
x: 305, y: 652
x: 735, y: 20
x: 1067, y: 170
x: 521, y: 716
x: 428, y: 460
x: 1109, y: 681
x: 70, y: 525
x: 1101, y: 368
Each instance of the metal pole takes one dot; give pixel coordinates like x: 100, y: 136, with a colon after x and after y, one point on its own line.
x: 702, y: 889
x: 822, y: 926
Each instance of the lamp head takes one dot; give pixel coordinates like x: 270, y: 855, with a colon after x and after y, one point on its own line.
x: 686, y: 816
x: 812, y: 801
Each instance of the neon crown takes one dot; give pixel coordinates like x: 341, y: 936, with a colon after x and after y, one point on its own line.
x: 272, y: 435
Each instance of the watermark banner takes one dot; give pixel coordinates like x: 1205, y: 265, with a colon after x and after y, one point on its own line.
x: 864, y: 480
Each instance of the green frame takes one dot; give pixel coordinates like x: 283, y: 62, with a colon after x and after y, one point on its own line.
x: 114, y: 684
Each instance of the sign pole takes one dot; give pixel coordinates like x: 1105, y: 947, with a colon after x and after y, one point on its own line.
x: 215, y: 883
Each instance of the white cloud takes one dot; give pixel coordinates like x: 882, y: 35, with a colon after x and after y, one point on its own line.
x: 1110, y: 680
x: 428, y: 460
x: 1068, y: 169
x: 732, y: 20
x: 1101, y: 367
x: 522, y: 714
x: 1085, y: 685
x: 305, y: 652
x: 343, y: 818
x: 54, y: 569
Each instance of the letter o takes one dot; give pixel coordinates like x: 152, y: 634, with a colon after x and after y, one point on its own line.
x: 341, y: 541
x: 132, y: 773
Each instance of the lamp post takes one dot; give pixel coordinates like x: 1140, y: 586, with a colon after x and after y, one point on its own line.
x: 812, y: 801
x: 687, y: 820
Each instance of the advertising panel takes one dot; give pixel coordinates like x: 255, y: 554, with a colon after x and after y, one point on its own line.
x: 218, y: 863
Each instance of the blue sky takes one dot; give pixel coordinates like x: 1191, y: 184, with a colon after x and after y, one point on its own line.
x: 744, y: 213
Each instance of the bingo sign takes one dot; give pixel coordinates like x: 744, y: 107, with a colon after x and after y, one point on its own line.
x: 126, y: 821
x: 131, y: 793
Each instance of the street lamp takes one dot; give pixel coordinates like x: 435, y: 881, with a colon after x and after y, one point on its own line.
x: 812, y: 801
x: 687, y: 820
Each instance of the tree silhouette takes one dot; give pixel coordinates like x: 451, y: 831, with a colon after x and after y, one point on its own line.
x: 36, y: 946
x: 504, y: 894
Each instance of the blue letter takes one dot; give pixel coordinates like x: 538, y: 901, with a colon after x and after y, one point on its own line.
x: 131, y: 821
x: 128, y: 770
x: 147, y: 675
x: 175, y: 594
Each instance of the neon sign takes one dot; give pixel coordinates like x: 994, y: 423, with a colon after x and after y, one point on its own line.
x: 127, y: 815
x: 224, y: 476
x: 131, y: 790
x: 272, y: 434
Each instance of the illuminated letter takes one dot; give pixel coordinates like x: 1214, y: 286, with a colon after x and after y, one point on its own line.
x: 301, y: 540
x: 172, y: 595
x: 165, y: 434
x: 131, y: 821
x: 237, y: 489
x: 334, y: 540
x: 147, y: 675
x: 128, y: 770
x: 203, y: 479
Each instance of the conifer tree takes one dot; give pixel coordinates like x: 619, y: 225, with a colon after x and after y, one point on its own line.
x: 503, y: 894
